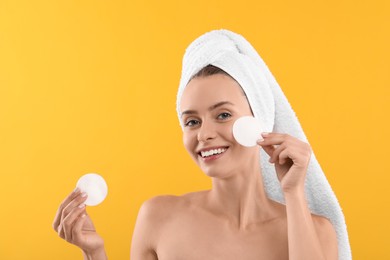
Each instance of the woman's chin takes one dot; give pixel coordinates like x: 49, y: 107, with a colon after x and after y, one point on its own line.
x: 216, y: 173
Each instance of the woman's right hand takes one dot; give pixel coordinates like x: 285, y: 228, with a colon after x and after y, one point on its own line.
x: 73, y: 224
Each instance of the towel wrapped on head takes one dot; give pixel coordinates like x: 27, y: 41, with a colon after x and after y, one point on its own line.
x: 232, y: 53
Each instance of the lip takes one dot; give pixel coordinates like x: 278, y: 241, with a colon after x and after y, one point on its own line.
x: 212, y: 157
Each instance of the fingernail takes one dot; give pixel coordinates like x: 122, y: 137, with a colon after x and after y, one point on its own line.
x: 264, y: 134
x: 260, y: 140
x: 77, y: 189
x: 83, y: 194
x: 82, y: 205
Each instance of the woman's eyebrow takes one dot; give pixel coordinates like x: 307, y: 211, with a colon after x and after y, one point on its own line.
x: 191, y: 112
x: 220, y: 104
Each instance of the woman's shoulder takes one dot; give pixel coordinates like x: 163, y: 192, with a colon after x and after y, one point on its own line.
x: 163, y: 207
x: 160, y: 202
x: 158, y: 208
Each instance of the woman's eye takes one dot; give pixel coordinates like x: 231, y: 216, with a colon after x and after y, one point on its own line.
x: 191, y: 122
x: 224, y: 116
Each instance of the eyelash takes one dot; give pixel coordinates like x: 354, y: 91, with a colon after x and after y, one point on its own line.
x: 226, y: 116
x: 188, y: 123
x: 224, y: 113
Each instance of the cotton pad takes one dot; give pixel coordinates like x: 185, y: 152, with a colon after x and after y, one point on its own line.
x: 95, y: 187
x: 247, y: 130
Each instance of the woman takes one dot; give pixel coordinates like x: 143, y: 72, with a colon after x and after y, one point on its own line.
x: 235, y: 219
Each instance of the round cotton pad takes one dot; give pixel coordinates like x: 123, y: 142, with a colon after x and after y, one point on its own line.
x: 95, y: 187
x: 247, y: 130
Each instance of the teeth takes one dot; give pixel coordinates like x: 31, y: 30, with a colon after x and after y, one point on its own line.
x: 212, y: 152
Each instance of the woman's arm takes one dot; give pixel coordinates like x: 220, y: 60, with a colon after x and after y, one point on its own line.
x: 146, y: 228
x: 309, y: 237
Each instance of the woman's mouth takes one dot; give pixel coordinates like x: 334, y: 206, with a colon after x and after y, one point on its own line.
x: 212, y: 153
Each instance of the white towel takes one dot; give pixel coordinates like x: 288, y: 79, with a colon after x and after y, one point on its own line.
x: 232, y: 53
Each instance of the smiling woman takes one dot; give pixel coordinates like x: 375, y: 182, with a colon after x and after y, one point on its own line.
x: 238, y: 218
x: 216, y: 102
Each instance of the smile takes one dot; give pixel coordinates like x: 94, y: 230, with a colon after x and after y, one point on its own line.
x: 212, y: 152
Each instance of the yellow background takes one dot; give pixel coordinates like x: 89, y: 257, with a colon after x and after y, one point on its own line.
x: 90, y: 86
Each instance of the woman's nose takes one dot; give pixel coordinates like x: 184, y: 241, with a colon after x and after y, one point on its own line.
x: 206, y: 132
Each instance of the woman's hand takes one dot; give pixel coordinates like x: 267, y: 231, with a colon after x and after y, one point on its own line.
x: 291, y: 157
x: 73, y: 224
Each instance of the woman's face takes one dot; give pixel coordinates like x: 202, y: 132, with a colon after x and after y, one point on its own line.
x: 209, y: 107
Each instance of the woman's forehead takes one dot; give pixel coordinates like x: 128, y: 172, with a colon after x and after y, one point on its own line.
x: 206, y: 91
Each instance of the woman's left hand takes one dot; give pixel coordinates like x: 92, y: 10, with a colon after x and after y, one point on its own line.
x: 291, y: 157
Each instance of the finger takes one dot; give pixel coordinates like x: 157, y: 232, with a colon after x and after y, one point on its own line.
x: 273, y: 139
x: 284, y: 157
x: 273, y: 134
x: 64, y: 203
x: 82, y: 197
x: 61, y: 232
x: 69, y: 220
x: 267, y: 147
x: 276, y: 153
x: 77, y: 232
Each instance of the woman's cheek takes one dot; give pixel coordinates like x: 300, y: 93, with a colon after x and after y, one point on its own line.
x: 189, y: 142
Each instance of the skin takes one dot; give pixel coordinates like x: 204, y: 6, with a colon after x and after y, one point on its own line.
x: 233, y: 220
x: 73, y: 224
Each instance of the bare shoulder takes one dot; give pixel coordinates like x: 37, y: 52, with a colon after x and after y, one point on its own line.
x: 161, y: 208
x: 153, y: 214
x: 158, y: 202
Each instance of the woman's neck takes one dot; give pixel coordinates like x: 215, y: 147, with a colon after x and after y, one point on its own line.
x: 241, y: 199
